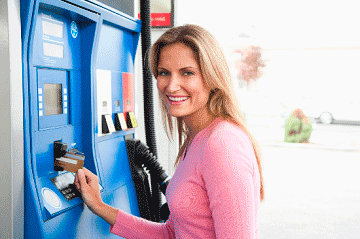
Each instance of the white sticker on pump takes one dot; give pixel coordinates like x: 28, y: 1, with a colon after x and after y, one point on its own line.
x: 51, y: 198
x: 104, y: 99
x: 53, y: 50
x: 55, y: 29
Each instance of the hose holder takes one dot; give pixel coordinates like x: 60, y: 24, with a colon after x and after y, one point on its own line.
x: 144, y: 158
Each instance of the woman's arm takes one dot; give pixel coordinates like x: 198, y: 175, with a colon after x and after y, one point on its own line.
x: 122, y: 223
x: 232, y: 184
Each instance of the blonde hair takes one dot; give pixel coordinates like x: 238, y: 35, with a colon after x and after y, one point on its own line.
x: 215, y: 71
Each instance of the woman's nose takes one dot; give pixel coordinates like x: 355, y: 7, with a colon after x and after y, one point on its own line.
x: 174, y: 84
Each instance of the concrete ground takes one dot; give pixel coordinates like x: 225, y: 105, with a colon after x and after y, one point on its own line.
x: 310, y: 193
x: 311, y: 190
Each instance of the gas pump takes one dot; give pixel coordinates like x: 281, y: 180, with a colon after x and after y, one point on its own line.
x: 78, y: 65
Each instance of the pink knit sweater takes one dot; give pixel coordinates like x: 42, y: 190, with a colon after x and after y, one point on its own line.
x: 214, y: 193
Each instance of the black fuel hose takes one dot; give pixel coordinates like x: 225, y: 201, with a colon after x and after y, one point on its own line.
x: 147, y: 77
x: 148, y: 95
x: 143, y: 158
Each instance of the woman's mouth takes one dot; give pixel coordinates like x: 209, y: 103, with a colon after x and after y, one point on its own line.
x: 177, y: 100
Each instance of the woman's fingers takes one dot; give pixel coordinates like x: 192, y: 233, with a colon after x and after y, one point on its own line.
x: 88, y: 173
x: 85, y: 180
x: 81, y: 178
x: 76, y: 181
x: 89, y: 188
x: 91, y: 178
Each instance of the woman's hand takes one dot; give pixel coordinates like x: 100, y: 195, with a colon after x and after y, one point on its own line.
x: 88, y: 185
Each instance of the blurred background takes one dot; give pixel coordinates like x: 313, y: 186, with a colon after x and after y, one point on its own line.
x: 287, y: 55
x: 310, y: 53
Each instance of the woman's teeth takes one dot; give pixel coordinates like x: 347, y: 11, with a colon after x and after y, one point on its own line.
x: 178, y: 98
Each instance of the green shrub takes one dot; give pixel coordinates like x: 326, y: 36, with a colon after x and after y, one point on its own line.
x: 298, y: 128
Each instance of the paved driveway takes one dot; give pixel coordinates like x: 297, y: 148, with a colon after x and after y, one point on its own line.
x: 310, y: 193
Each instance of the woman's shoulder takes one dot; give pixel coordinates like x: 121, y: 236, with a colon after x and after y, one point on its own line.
x: 225, y: 128
x: 227, y: 144
x: 226, y: 133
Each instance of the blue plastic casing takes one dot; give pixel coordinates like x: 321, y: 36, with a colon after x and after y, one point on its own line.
x: 71, y: 48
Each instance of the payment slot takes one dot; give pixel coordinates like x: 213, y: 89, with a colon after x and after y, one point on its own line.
x: 75, y: 54
x: 67, y: 160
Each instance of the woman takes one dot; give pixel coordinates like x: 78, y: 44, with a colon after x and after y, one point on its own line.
x: 216, y: 189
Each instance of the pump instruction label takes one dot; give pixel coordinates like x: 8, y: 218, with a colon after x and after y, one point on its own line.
x: 104, y: 100
x: 52, y: 27
x: 53, y: 39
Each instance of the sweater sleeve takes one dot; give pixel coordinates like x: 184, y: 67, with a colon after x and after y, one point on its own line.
x: 130, y: 226
x: 228, y: 171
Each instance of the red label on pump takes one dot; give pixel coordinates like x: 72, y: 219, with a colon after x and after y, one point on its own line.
x: 160, y: 19
x: 128, y: 92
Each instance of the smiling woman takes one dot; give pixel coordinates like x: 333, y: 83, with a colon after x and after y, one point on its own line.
x: 181, y: 84
x: 198, y: 97
x: 217, y: 187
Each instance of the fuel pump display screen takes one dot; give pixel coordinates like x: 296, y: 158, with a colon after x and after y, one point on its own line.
x: 53, y: 99
x: 65, y: 184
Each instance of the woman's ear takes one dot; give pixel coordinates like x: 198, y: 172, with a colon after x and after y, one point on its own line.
x: 213, y: 91
x: 215, y: 102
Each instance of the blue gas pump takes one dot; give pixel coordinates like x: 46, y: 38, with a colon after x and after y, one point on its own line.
x: 78, y: 65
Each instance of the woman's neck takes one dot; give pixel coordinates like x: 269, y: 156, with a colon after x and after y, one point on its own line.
x: 197, y: 123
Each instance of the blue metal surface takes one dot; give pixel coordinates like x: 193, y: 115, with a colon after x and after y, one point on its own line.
x: 65, y: 43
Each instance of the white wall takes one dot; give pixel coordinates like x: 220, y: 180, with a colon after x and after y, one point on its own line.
x: 11, y: 118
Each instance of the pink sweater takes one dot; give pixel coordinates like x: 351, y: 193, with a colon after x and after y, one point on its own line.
x: 214, y: 193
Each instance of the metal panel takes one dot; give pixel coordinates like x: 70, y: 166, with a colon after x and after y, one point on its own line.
x: 65, y: 44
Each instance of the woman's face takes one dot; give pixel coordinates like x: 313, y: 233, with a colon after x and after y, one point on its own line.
x: 181, y: 84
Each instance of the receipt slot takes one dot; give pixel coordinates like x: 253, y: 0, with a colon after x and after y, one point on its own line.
x: 78, y: 59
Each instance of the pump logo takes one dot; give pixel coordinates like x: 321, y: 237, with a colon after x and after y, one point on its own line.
x: 74, y: 30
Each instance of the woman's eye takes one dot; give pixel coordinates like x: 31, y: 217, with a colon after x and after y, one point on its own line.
x: 163, y: 73
x: 188, y: 73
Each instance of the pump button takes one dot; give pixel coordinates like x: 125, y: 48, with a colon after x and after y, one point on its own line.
x: 51, y: 198
x: 107, y: 124
x: 131, y: 120
x: 120, y: 123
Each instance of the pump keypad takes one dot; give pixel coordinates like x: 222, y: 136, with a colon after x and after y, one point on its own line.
x: 70, y: 192
x: 65, y: 184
